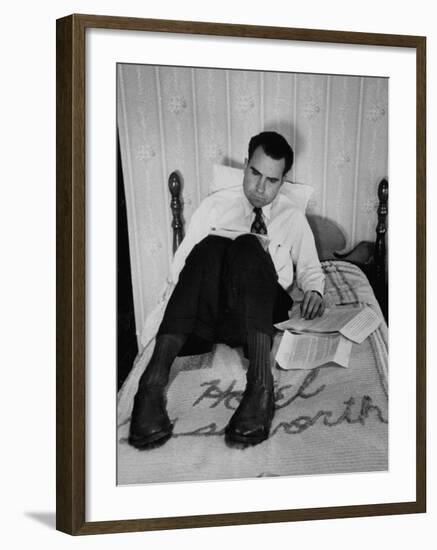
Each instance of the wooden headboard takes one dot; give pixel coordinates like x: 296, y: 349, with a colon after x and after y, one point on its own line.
x: 330, y: 239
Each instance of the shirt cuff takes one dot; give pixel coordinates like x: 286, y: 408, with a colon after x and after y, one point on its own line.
x: 315, y: 286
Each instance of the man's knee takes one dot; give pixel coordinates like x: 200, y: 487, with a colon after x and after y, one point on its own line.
x: 248, y: 240
x: 247, y: 252
x: 210, y: 249
x: 250, y: 267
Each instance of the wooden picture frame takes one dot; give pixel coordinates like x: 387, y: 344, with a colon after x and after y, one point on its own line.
x: 71, y: 273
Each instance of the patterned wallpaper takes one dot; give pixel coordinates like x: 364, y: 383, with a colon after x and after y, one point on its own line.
x: 186, y: 119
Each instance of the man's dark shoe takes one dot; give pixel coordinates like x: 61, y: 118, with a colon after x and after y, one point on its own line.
x: 150, y: 425
x: 251, y: 422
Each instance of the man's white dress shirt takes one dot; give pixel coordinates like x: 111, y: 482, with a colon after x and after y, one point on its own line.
x: 291, y: 241
x: 291, y: 244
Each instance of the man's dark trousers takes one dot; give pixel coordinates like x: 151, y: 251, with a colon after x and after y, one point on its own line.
x: 226, y: 289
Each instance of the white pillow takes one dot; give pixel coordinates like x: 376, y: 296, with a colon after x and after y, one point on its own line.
x: 225, y: 177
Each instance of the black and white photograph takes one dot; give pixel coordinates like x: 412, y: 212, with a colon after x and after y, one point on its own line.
x: 252, y: 274
x: 219, y: 309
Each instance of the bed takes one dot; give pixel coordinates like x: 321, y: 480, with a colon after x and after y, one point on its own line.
x: 327, y: 420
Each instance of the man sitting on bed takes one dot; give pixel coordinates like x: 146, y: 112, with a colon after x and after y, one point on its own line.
x: 233, y: 290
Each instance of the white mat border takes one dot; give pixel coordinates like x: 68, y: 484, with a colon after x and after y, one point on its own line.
x: 106, y: 501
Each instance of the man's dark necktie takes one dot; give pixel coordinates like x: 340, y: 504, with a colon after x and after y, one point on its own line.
x: 258, y: 225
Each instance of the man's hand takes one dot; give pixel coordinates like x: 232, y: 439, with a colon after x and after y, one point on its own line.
x: 313, y: 304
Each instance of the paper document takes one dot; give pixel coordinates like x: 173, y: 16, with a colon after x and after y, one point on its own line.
x: 355, y: 323
x: 305, y: 351
x: 362, y: 325
x: 332, y: 320
x: 234, y: 233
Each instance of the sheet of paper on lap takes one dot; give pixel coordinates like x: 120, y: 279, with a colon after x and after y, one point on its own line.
x: 234, y: 233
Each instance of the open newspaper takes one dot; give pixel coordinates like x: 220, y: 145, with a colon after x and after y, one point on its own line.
x: 308, y: 344
x: 307, y: 351
x: 355, y: 323
x: 234, y: 233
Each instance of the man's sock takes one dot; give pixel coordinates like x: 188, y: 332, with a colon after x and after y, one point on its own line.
x: 258, y: 348
x: 166, y: 350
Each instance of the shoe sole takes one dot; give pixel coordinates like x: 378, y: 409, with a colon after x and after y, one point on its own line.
x: 151, y: 442
x: 232, y: 437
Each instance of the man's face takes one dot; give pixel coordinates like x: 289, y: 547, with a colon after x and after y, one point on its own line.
x: 262, y: 178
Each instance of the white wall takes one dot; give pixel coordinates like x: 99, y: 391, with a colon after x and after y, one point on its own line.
x: 28, y: 275
x: 187, y: 119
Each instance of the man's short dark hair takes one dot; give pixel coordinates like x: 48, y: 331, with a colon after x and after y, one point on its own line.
x: 275, y: 146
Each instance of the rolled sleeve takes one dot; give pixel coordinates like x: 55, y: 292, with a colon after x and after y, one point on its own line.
x: 309, y: 273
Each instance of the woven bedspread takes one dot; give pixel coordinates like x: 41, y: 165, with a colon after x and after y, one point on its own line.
x: 328, y: 420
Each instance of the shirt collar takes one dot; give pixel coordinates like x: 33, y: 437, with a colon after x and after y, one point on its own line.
x: 248, y: 208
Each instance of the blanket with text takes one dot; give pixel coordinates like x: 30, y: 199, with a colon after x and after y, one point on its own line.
x: 327, y: 420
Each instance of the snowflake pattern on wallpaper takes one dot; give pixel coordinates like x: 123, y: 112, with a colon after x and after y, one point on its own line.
x: 245, y: 103
x: 177, y: 104
x: 370, y: 205
x: 341, y: 159
x: 153, y: 245
x: 188, y: 201
x: 311, y: 109
x: 145, y: 153
x: 376, y: 111
x: 215, y: 151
